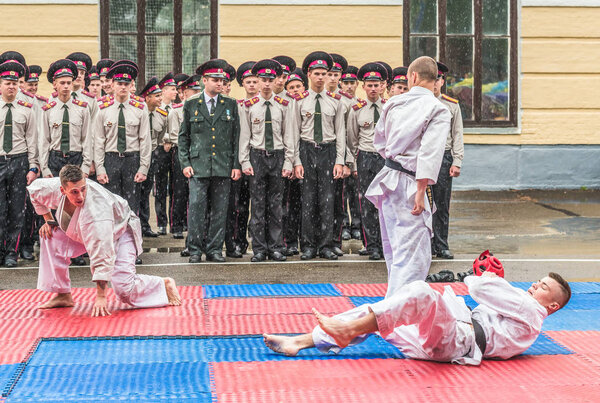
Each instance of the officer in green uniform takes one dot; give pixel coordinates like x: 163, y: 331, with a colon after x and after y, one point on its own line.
x: 208, y: 152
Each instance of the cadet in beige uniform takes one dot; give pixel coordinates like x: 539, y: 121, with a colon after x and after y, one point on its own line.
x: 451, y: 163
x: 103, y: 66
x: 18, y: 159
x: 84, y: 64
x: 288, y: 65
x: 399, y: 81
x: 317, y: 118
x: 267, y: 157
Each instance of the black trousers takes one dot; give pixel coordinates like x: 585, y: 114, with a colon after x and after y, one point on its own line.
x: 237, y: 214
x: 209, y: 198
x: 441, y: 196
x: 121, y: 170
x: 318, y: 195
x: 162, y: 161
x: 13, y: 193
x: 339, y: 212
x: 145, y: 190
x: 368, y: 166
x: 352, y: 216
x: 178, y: 194
x: 292, y: 212
x: 266, y: 194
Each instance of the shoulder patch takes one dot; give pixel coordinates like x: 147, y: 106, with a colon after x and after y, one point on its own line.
x: 359, y: 104
x: 162, y: 111
x: 449, y: 99
x: 88, y: 94
x: 251, y: 102
x: 80, y: 103
x: 281, y: 101
x: 25, y: 104
x: 49, y: 106
x: 176, y: 106
x: 302, y: 96
x: 41, y: 98
x: 55, y: 94
x: 137, y: 104
x: 334, y: 95
x: 106, y: 104
x: 344, y: 93
x: 27, y: 93
x: 240, y: 101
x: 290, y: 95
x: 137, y: 98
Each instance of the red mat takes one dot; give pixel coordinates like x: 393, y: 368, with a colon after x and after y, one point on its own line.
x: 258, y: 324
x: 379, y: 290
x: 261, y: 306
x: 586, y: 344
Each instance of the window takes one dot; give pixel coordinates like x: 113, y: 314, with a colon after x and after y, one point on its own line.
x: 160, y: 35
x: 477, y: 40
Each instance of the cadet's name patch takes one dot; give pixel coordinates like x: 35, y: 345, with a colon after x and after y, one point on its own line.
x: 49, y: 106
x: 80, y: 103
x: 136, y: 98
x: 29, y: 94
x: 25, y: 104
x: 359, y: 105
x: 302, y: 96
x: 251, y: 102
x: 345, y: 94
x: 449, y: 99
x: 176, y: 106
x: 281, y: 100
x: 334, y: 95
x: 106, y: 103
x: 137, y: 104
x: 41, y: 98
x: 162, y: 111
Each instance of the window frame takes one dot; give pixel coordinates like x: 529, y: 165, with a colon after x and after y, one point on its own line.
x: 478, y: 36
x: 141, y: 34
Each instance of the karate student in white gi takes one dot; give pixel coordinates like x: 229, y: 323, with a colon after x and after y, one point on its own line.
x: 90, y: 218
x: 427, y: 325
x: 410, y: 135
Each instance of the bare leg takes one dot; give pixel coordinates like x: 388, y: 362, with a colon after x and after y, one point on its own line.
x: 288, y: 345
x: 172, y: 293
x: 343, y: 332
x: 61, y: 300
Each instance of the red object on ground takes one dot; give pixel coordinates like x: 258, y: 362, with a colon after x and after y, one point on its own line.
x: 488, y: 262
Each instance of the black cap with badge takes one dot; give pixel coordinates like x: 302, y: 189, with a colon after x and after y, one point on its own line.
x: 297, y: 75
x: 62, y: 68
x: 180, y: 78
x: 103, y: 66
x: 287, y: 63
x: 11, y: 70
x: 317, y: 60
x: 152, y: 87
x: 35, y: 72
x: 350, y: 74
x: 213, y: 68
x: 372, y: 72
x: 245, y: 70
x: 442, y: 69
x: 267, y: 68
x: 400, y: 75
x: 339, y: 62
x: 124, y: 71
x: 82, y: 60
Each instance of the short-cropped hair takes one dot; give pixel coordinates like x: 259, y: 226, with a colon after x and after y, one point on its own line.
x: 70, y: 173
x: 565, y: 288
x: 425, y: 67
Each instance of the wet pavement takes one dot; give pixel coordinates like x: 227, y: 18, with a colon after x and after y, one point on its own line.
x: 532, y: 232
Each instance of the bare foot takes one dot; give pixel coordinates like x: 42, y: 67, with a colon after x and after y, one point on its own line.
x: 172, y: 293
x: 59, y: 301
x: 336, y: 328
x: 282, y: 344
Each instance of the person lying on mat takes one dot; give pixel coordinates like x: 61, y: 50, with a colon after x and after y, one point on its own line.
x: 91, y: 219
x: 427, y: 325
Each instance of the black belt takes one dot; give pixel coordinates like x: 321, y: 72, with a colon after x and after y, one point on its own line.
x: 6, y: 158
x: 65, y: 155
x: 390, y: 163
x: 319, y: 145
x: 479, y: 336
x: 126, y: 154
x: 267, y: 153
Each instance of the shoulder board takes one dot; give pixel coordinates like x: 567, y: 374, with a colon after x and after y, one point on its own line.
x: 383, y: 100
x: 105, y: 98
x: 162, y: 111
x: 41, y: 98
x: 290, y: 95
x: 49, y: 106
x: 345, y: 94
x: 25, y: 104
x: 240, y: 101
x: 137, y: 98
x: 55, y: 94
x: 176, y: 106
x: 80, y: 103
x: 302, y: 96
x: 106, y: 104
x: 334, y: 95
x: 449, y: 99
x: 251, y: 102
x: 137, y: 104
x: 359, y: 105
x: 29, y: 94
x: 88, y: 94
x: 281, y: 100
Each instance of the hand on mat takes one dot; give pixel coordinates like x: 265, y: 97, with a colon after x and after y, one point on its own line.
x: 100, y: 307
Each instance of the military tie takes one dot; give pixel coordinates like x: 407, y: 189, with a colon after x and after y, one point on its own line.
x: 8, y: 130
x: 121, y: 133
x: 212, y: 106
x: 375, y: 114
x: 64, y: 137
x: 318, y: 126
x: 74, y: 95
x: 268, y: 128
x: 151, y: 128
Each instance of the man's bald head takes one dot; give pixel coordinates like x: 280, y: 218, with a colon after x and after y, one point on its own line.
x: 425, y: 67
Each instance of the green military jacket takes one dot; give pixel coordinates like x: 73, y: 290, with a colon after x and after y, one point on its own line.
x: 209, y: 144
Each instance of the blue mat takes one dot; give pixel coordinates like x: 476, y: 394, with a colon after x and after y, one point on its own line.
x: 269, y: 290
x: 573, y: 319
x: 544, y: 345
x: 576, y: 287
x: 7, y: 372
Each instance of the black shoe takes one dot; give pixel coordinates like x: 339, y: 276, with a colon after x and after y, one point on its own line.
x: 178, y: 235
x: 258, y: 257
x: 235, y: 254
x: 444, y: 276
x: 356, y: 234
x: 375, y: 255
x: 290, y: 251
x: 26, y: 254
x: 10, y: 260
x: 138, y: 260
x: 346, y: 235
x: 184, y: 253
x: 277, y: 256
x: 195, y: 258
x: 149, y: 233
x: 328, y: 254
x: 461, y: 276
x: 308, y: 253
x: 78, y: 261
x: 445, y: 254
x: 338, y: 251
x: 162, y: 231
x: 364, y: 252
x: 243, y: 249
x: 215, y: 257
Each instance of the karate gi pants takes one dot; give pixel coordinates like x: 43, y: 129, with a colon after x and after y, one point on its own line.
x: 419, y: 321
x: 137, y: 290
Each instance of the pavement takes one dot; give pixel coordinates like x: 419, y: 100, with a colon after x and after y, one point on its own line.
x: 531, y: 232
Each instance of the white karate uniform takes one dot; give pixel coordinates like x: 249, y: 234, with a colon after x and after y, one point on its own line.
x: 412, y: 130
x: 108, y: 230
x: 427, y: 325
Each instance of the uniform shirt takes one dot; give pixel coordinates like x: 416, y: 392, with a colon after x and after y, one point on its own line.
x: 361, y: 126
x: 24, y: 130
x: 252, y: 130
x: 137, y: 131
x: 98, y: 224
x: 347, y: 100
x: 90, y: 99
x: 174, y: 120
x: 301, y: 123
x: 454, y: 143
x: 159, y: 125
x: 510, y: 317
x: 80, y: 138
